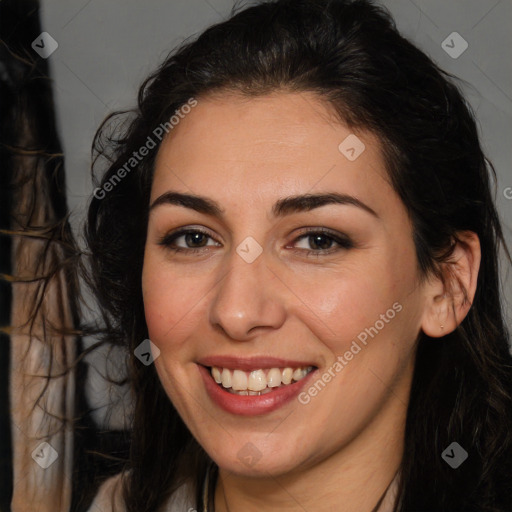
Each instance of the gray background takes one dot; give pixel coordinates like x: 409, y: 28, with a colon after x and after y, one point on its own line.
x: 107, y: 47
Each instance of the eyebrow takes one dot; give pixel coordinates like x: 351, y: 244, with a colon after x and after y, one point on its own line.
x: 282, y: 207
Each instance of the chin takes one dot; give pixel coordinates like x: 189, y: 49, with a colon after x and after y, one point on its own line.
x: 246, y: 459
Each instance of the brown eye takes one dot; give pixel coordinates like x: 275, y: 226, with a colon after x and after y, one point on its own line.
x: 188, y: 240
x: 318, y: 242
x: 195, y: 239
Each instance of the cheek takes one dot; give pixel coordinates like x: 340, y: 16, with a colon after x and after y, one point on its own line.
x: 341, y: 306
x: 168, y: 302
x: 157, y: 305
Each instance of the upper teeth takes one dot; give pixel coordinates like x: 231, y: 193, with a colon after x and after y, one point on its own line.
x: 257, y: 380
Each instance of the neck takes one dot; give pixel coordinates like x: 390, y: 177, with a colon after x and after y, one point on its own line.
x: 358, y: 475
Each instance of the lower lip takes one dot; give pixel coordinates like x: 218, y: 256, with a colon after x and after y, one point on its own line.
x: 246, y: 405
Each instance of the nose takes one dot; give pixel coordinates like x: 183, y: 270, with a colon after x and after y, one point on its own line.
x: 248, y: 300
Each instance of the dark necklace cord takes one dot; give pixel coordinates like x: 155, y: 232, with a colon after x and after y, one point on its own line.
x: 209, y: 483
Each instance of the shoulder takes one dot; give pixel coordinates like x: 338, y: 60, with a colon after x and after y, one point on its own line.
x: 109, y: 498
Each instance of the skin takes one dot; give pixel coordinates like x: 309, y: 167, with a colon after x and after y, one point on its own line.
x: 346, y: 444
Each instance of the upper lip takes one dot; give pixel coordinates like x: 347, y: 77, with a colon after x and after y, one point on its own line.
x: 251, y: 363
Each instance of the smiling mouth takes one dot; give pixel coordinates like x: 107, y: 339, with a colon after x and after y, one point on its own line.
x: 257, y: 382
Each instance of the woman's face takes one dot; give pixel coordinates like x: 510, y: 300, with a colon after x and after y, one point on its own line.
x: 279, y: 258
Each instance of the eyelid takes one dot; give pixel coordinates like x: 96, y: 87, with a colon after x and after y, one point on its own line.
x: 341, y: 241
x: 320, y: 229
x: 335, y: 235
x: 166, y: 239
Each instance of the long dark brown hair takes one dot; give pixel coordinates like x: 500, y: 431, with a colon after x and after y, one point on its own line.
x: 350, y: 54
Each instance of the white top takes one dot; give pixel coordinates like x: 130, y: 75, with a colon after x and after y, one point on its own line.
x: 183, y: 500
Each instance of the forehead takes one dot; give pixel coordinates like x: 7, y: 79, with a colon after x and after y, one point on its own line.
x: 262, y: 147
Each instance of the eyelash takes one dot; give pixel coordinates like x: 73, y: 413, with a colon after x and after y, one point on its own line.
x: 344, y: 243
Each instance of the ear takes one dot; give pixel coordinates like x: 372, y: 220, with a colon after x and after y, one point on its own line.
x: 449, y: 299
